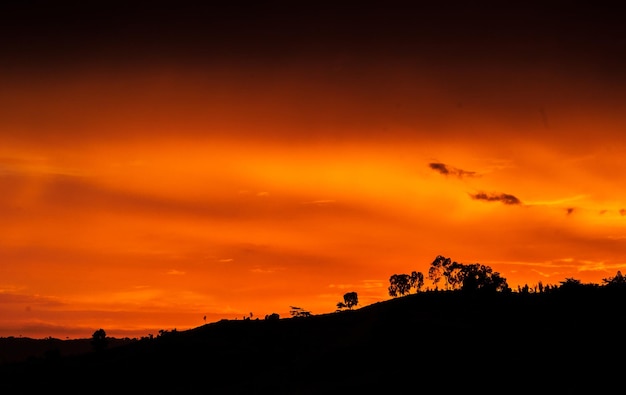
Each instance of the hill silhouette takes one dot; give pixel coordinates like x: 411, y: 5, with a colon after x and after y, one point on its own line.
x: 568, y: 341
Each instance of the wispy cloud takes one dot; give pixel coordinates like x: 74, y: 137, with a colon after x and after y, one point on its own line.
x: 341, y: 286
x: 505, y: 198
x: 555, y: 202
x: 320, y: 202
x: 374, y: 284
x: 262, y: 270
x: 19, y: 298
x: 450, y: 170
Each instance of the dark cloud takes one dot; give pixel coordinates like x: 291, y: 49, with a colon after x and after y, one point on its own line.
x: 449, y: 170
x: 496, y: 197
x: 570, y: 210
x: 622, y: 212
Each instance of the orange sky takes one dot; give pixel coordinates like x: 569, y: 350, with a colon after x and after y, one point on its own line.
x: 147, y: 182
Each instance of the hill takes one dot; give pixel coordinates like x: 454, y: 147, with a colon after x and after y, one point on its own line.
x: 563, y: 342
x: 15, y: 349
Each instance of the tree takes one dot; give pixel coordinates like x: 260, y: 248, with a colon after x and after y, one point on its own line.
x: 99, y: 340
x: 476, y: 277
x: 299, y: 312
x: 399, y: 284
x: 574, y: 285
x: 416, y: 281
x: 571, y: 283
x: 272, y: 317
x: 440, y: 268
x: 350, y: 300
x: 467, y: 277
x: 618, y: 281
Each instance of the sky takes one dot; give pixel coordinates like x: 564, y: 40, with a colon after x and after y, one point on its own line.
x: 163, y: 165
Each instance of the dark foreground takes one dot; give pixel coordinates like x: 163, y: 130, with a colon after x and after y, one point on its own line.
x: 445, y: 342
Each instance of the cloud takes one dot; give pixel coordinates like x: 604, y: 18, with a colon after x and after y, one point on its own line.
x: 622, y: 212
x: 570, y: 210
x: 10, y: 298
x: 341, y: 286
x: 262, y: 270
x: 320, y: 202
x: 449, y: 170
x: 557, y: 202
x: 496, y: 197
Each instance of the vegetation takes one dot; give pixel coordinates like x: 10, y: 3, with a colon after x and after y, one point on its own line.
x: 456, y: 276
x: 350, y: 300
x: 469, y: 332
x: 99, y: 340
x: 272, y: 317
x: 299, y: 312
x: 401, y: 284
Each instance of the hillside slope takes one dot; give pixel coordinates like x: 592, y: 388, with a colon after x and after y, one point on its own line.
x: 430, y: 341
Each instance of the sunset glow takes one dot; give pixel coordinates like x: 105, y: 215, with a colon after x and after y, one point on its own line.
x: 144, y: 194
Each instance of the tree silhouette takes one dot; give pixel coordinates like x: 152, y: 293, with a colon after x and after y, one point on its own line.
x: 440, y: 268
x: 299, y: 312
x: 570, y: 283
x: 618, y: 281
x: 350, y: 300
x: 272, y: 317
x: 416, y: 281
x: 399, y: 284
x: 475, y: 277
x: 468, y: 277
x: 99, y: 340
x: 574, y: 285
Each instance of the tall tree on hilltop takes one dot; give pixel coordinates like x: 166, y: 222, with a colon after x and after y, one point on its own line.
x: 399, y: 284
x: 467, y: 277
x: 477, y: 277
x: 416, y: 281
x: 443, y: 267
x: 350, y: 300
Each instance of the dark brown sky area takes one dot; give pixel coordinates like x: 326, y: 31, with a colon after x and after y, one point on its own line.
x: 455, y: 35
x: 399, y: 56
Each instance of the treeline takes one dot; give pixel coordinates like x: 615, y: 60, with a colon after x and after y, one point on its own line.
x: 475, y: 277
